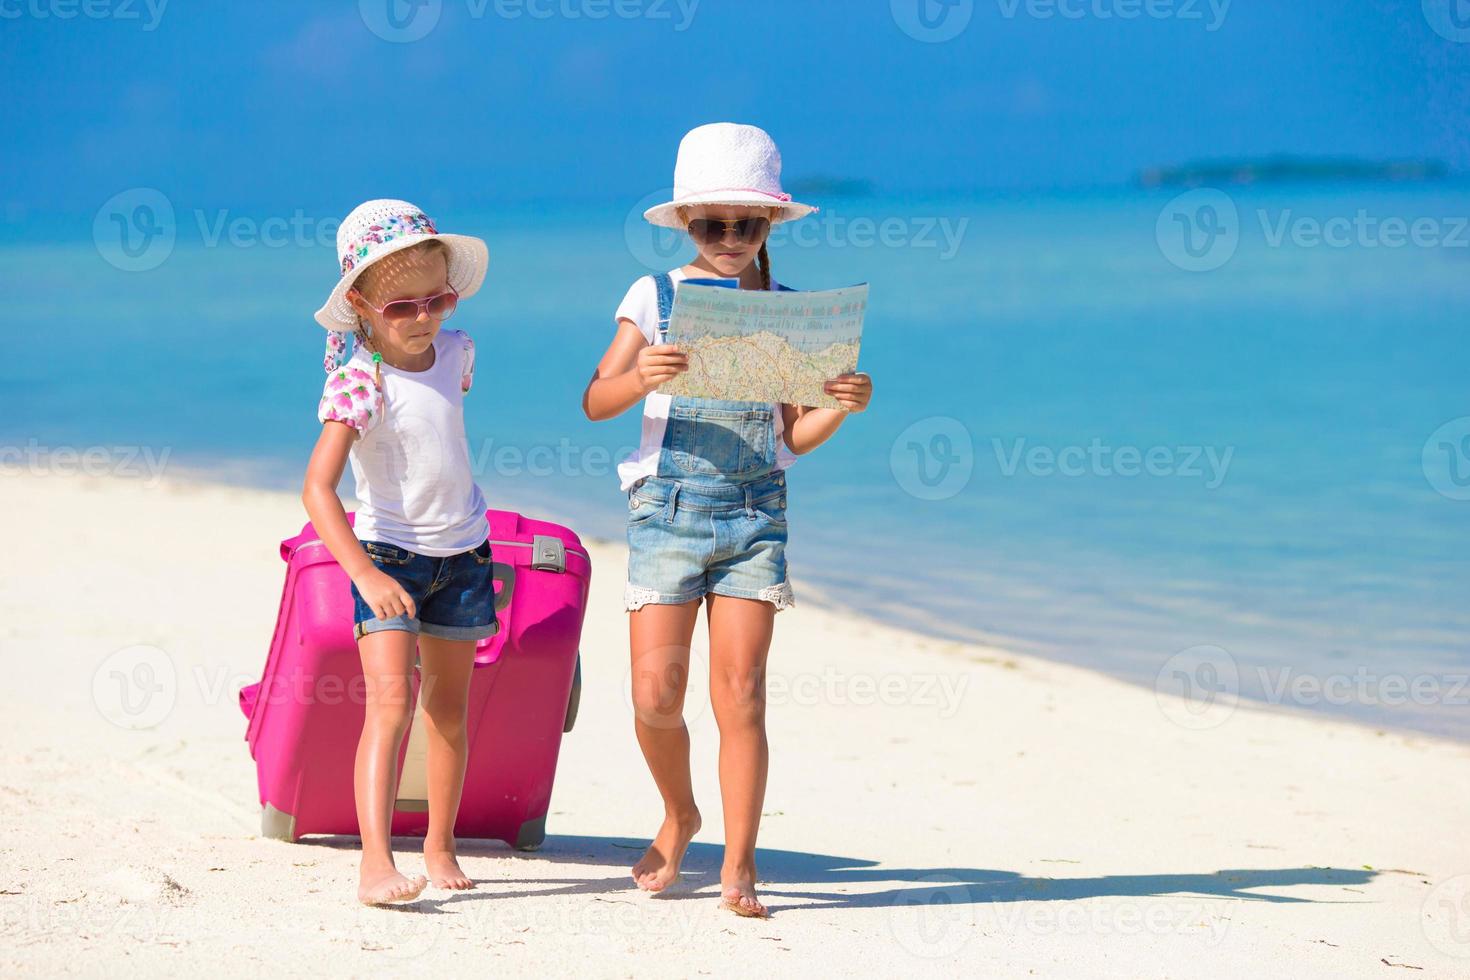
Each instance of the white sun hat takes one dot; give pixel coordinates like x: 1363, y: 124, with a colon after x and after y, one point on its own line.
x: 727, y: 163
x: 380, y: 228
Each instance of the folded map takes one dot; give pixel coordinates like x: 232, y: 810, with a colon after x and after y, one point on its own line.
x: 751, y: 345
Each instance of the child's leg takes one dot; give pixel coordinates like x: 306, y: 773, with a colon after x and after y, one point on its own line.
x: 739, y: 640
x: 660, y: 636
x: 447, y: 666
x: 387, y: 665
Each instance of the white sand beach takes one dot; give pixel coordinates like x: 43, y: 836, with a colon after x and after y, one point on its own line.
x: 934, y: 808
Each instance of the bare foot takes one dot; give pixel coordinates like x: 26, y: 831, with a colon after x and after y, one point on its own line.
x: 659, y: 866
x: 385, y: 886
x: 444, y: 872
x: 737, y: 893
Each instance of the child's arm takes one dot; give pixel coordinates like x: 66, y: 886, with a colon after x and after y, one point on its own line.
x: 629, y: 370
x: 807, y: 428
x: 319, y: 493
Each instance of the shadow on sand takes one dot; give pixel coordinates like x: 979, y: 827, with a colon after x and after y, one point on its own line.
x: 825, y: 881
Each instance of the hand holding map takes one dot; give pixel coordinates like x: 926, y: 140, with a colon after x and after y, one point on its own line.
x: 749, y: 345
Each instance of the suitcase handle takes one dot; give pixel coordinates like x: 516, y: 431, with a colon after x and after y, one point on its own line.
x: 487, y: 651
x: 548, y: 554
x: 506, y: 575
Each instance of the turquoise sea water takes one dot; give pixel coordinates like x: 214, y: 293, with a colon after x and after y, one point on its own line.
x: 1077, y: 447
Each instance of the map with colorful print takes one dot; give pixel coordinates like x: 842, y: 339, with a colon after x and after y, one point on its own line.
x: 748, y: 345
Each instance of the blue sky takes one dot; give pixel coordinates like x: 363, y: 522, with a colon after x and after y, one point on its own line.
x: 279, y: 105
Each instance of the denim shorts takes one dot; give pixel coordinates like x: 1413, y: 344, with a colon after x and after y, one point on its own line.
x: 453, y: 596
x: 687, y: 540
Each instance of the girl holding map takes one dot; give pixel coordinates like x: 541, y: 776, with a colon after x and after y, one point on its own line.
x: 707, y: 504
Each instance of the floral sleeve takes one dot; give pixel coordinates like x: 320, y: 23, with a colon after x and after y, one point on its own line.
x: 467, y: 377
x: 351, y: 397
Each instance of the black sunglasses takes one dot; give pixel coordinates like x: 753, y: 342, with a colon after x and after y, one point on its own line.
x: 707, y: 231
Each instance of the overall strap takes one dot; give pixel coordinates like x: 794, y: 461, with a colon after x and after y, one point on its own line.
x: 664, y: 283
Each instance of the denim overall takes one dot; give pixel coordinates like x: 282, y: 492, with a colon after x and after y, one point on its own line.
x: 713, y: 518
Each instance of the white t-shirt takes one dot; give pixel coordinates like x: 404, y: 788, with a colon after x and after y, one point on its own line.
x: 411, y: 460
x: 641, y: 306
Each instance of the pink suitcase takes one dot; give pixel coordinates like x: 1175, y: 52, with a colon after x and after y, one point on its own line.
x: 306, y: 713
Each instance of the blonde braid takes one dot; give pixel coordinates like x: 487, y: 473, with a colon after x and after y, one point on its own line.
x: 366, y: 342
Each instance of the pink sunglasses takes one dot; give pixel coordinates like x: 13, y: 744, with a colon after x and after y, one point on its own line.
x: 400, y: 311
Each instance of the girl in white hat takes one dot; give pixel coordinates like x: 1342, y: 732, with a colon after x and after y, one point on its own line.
x: 707, y: 505
x: 418, y: 554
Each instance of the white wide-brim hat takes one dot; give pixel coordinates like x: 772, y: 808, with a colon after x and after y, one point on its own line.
x: 378, y: 229
x: 731, y: 164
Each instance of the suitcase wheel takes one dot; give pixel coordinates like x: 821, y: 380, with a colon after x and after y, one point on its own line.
x: 574, y: 701
x: 276, y: 825
x: 531, y: 834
